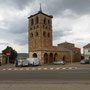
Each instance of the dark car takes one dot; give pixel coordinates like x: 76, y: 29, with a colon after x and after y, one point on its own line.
x: 85, y: 61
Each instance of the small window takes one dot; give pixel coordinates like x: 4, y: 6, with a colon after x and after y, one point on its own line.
x: 43, y: 26
x: 46, y: 27
x: 48, y: 22
x: 31, y: 34
x: 37, y: 20
x: 48, y: 34
x: 88, y: 50
x: 36, y: 33
x: 34, y: 27
x: 44, y: 34
x: 37, y: 26
x: 32, y: 22
x: 44, y: 20
x: 30, y: 28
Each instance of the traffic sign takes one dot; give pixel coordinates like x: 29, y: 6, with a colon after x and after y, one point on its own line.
x: 71, y: 52
x: 8, y: 54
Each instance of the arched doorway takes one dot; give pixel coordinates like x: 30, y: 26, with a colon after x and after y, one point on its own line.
x: 45, y: 58
x: 64, y: 58
x: 35, y: 55
x: 55, y: 56
x: 50, y: 58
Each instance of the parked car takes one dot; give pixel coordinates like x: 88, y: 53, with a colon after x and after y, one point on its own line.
x: 85, y: 61
x: 33, y: 61
x: 59, y: 62
x: 21, y: 63
x: 82, y: 62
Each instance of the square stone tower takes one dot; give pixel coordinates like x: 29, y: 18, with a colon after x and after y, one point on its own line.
x: 40, y: 31
x: 40, y: 41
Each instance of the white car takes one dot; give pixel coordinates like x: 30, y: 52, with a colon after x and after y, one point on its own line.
x: 33, y: 61
x: 21, y: 63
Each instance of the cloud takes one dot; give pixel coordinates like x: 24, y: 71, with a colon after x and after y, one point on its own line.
x: 56, y: 6
x: 19, y: 4
x: 70, y: 22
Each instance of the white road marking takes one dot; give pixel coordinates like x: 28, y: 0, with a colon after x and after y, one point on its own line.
x: 57, y: 68
x: 21, y: 68
x: 15, y: 69
x: 45, y: 68
x: 33, y: 68
x: 27, y: 68
x: 39, y: 68
x: 4, y: 69
x: 63, y: 68
x: 51, y: 68
x: 9, y: 68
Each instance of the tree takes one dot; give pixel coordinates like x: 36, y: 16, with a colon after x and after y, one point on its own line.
x: 13, y: 56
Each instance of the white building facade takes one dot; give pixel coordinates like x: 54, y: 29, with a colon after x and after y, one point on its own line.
x: 86, y: 50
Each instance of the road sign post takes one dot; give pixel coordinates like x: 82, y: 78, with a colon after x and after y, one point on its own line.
x: 71, y: 53
x: 8, y: 55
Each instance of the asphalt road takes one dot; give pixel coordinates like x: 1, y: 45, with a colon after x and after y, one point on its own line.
x: 48, y: 77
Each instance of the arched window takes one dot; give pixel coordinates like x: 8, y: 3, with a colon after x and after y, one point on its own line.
x: 44, y: 34
x: 34, y: 27
x: 50, y: 58
x: 55, y: 56
x: 31, y: 34
x: 46, y: 27
x: 44, y: 20
x: 37, y: 26
x: 32, y: 21
x: 48, y: 22
x: 36, y: 33
x: 37, y: 20
x: 45, y: 58
x: 48, y: 34
x: 35, y: 55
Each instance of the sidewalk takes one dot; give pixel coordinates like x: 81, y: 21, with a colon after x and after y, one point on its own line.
x: 78, y: 65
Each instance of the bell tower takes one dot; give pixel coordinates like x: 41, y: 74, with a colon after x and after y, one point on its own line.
x: 40, y: 30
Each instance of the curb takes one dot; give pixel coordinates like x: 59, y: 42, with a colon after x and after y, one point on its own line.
x: 32, y: 69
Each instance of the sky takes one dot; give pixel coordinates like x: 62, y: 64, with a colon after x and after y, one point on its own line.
x: 71, y: 22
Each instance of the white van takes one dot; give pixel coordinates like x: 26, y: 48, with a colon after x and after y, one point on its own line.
x: 33, y: 61
x: 21, y: 63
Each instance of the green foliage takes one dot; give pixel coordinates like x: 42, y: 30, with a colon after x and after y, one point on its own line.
x: 82, y: 57
x: 13, y: 56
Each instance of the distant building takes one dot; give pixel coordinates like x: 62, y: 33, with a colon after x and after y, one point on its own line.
x: 76, y: 52
x: 86, y: 50
x: 40, y: 41
x: 3, y: 59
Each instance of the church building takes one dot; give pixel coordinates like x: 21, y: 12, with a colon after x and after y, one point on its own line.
x: 40, y: 41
